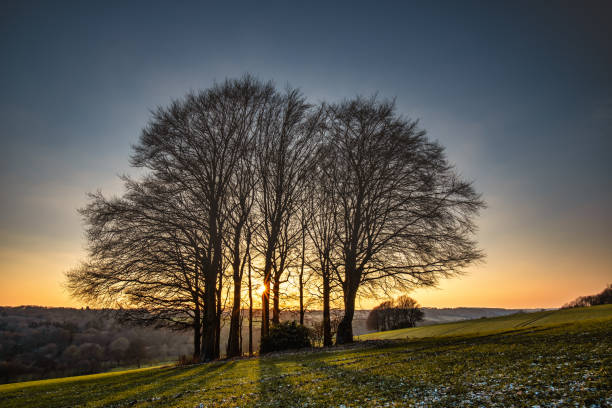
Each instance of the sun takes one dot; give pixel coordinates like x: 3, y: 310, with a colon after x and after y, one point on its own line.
x: 260, y: 290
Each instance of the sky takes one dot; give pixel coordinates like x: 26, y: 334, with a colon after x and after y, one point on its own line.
x: 519, y: 93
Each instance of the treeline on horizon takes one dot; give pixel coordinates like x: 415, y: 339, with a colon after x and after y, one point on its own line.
x: 244, y: 186
x: 602, y: 298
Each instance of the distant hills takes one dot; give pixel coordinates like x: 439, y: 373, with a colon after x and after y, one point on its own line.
x: 444, y: 315
x: 434, y: 315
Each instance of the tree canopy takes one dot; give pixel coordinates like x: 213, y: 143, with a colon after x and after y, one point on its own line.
x: 344, y: 198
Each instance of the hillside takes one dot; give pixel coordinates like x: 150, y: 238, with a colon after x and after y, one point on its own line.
x: 509, y: 322
x: 561, y: 359
x: 435, y: 315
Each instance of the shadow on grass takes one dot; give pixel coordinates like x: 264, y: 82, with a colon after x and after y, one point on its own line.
x: 275, y: 386
x: 193, y: 380
x: 120, y: 390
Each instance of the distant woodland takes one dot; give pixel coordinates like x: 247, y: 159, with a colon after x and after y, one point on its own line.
x: 602, y: 298
x: 37, y: 342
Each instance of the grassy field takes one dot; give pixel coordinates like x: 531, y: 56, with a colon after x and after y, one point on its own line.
x: 561, y: 359
x: 511, y: 322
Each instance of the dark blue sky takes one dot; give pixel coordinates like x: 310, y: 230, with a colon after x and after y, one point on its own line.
x: 519, y: 93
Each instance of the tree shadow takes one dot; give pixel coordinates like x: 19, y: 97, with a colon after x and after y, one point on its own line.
x: 278, y: 388
x: 132, y: 388
x: 190, y: 382
x: 373, y: 389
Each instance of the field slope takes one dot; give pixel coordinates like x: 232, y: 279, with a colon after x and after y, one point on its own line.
x: 560, y: 361
x: 510, y: 322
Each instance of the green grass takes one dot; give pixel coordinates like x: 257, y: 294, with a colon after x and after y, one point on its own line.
x: 90, y: 377
x: 511, y: 322
x: 562, y: 362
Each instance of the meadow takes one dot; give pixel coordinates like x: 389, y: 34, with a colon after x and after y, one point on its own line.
x: 545, y: 359
x: 510, y: 322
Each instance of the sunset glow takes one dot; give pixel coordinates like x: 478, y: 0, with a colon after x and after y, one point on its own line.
x: 523, y: 109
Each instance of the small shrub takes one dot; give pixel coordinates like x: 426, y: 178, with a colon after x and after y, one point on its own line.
x: 285, y: 336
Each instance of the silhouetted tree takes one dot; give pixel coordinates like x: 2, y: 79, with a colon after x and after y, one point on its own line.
x: 165, y: 244
x: 404, y: 217
x: 302, y: 278
x: 284, y: 154
x: 250, y: 291
x: 401, y: 313
x: 409, y: 312
x: 322, y: 230
x: 144, y: 256
x: 199, y: 144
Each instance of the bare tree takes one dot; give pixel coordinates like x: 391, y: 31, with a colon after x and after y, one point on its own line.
x: 280, y: 265
x: 378, y: 318
x: 250, y: 291
x: 322, y: 230
x: 400, y: 313
x: 143, y: 256
x: 197, y: 143
x: 409, y: 312
x: 404, y: 218
x: 239, y: 238
x: 284, y: 152
x: 303, y: 276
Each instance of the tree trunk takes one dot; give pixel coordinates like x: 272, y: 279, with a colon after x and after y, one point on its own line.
x: 218, y: 318
x: 277, y: 279
x: 250, y: 311
x: 265, y: 296
x: 197, y: 326
x: 210, y: 345
x: 233, y: 342
x: 241, y: 326
x: 301, y: 301
x: 268, y: 268
x: 210, y: 320
x: 276, y: 299
x: 327, y: 336
x: 345, y: 328
x: 265, y: 308
x: 301, y: 282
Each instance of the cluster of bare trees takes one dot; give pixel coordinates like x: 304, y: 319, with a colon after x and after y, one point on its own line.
x: 602, y: 298
x: 400, y: 313
x: 244, y: 182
